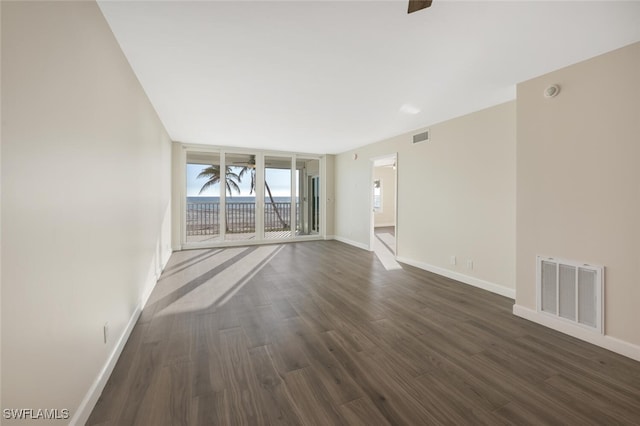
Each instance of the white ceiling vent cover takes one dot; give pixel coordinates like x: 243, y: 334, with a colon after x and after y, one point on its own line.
x: 421, y: 137
x: 571, y: 291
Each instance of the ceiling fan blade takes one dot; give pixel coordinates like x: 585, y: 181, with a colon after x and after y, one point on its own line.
x: 415, y: 5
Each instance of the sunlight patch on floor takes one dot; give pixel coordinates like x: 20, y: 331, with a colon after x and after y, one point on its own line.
x: 226, y: 283
x: 385, y: 255
x: 388, y: 239
x: 167, y: 286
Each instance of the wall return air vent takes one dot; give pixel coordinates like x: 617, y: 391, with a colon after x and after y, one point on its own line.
x: 421, y: 137
x: 571, y: 291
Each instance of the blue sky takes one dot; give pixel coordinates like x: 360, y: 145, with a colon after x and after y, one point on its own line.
x: 278, y: 180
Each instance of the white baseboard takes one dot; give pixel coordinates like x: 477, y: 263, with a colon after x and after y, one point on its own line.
x: 611, y: 343
x: 89, y: 401
x: 166, y: 255
x: 146, y: 293
x: 351, y: 242
x: 384, y: 224
x: 476, y: 282
x: 91, y: 398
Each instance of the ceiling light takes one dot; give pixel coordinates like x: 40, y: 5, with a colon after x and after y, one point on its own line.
x: 409, y: 109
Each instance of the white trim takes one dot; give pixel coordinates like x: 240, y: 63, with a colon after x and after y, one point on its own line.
x: 372, y: 211
x: 466, y: 279
x: 351, y: 242
x: 223, y: 152
x: 384, y: 224
x: 89, y: 401
x: 146, y: 294
x: 293, y: 225
x: 93, y: 394
x: 251, y: 242
x: 239, y: 150
x: 165, y: 257
x: 611, y: 343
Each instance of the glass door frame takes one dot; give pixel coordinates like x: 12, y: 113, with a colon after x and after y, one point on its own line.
x: 259, y: 188
x: 292, y: 213
x: 181, y: 185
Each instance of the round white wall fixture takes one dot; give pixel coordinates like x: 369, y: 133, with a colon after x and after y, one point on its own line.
x: 552, y: 91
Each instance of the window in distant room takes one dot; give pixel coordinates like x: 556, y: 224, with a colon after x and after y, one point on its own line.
x: 377, y: 196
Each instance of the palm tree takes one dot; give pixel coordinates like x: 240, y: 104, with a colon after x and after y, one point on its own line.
x: 250, y: 168
x: 212, y: 173
x: 231, y: 180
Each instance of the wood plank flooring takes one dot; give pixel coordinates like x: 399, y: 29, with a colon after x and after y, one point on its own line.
x: 322, y: 334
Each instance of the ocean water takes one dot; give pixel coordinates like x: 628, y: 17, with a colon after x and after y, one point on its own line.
x: 234, y: 199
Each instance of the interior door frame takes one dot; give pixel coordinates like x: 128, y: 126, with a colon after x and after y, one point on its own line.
x: 372, y: 232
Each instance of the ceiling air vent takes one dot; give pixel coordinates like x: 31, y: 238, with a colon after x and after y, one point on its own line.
x: 421, y: 137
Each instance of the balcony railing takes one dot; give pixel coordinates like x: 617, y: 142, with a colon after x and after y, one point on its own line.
x: 204, y: 218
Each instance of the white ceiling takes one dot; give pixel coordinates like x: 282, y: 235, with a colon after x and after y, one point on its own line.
x: 326, y: 77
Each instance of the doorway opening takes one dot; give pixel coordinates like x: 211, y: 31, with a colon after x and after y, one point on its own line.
x: 384, y: 186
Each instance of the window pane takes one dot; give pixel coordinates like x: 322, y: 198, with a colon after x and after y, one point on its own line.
x: 203, y: 197
x: 240, y: 210
x: 377, y: 195
x: 277, y: 197
x: 308, y: 196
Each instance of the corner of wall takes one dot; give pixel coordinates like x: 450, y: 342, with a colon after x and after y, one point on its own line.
x: 177, y: 193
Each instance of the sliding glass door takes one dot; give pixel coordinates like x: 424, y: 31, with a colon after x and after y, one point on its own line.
x: 277, y: 197
x: 203, y: 197
x: 308, y: 196
x: 240, y: 206
x: 241, y: 196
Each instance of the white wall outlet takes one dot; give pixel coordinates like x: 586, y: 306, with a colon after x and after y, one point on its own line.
x: 105, y: 332
x: 452, y: 260
x: 469, y: 264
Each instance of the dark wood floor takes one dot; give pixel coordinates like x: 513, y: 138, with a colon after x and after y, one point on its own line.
x: 323, y: 334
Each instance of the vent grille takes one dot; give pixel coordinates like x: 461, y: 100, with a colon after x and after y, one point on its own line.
x: 571, y: 291
x: 421, y: 137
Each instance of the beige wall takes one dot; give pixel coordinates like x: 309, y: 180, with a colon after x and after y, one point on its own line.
x: 456, y: 196
x: 387, y: 216
x: 85, y: 200
x: 579, y: 179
